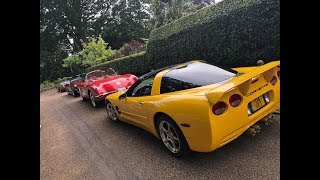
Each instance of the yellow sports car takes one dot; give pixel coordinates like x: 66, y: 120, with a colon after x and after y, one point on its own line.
x: 196, y: 106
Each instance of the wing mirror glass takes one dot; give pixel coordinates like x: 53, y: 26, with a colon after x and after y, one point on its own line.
x: 123, y: 96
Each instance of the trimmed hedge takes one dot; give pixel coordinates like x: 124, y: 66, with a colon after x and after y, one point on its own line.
x: 135, y: 64
x: 231, y: 33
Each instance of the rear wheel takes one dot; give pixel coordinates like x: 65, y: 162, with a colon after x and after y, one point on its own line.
x: 80, y: 92
x: 111, y: 112
x: 172, y: 137
x: 74, y: 94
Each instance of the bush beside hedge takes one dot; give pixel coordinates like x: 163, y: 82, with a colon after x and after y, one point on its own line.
x: 229, y: 34
x: 136, y: 64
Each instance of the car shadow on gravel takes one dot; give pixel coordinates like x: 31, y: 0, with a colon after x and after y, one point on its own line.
x: 244, y: 144
x: 250, y: 149
x: 85, y: 102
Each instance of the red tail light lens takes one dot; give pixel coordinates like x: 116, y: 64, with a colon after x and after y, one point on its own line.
x: 135, y: 78
x: 219, y: 108
x: 278, y: 73
x: 273, y: 80
x: 235, y: 100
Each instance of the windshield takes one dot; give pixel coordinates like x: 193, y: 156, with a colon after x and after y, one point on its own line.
x: 101, y: 73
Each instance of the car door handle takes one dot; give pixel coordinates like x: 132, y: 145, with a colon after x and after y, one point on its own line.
x: 141, y: 102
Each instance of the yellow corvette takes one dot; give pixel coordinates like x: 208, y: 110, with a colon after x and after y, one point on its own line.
x: 196, y: 106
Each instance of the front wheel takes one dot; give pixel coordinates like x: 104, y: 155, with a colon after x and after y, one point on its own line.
x: 172, y: 137
x: 93, y: 101
x: 111, y: 112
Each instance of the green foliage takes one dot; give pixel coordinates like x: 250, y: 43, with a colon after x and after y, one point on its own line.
x: 166, y: 11
x: 136, y: 64
x: 57, y: 81
x: 72, y: 61
x: 45, y: 85
x: 96, y: 52
x: 64, y: 24
x: 229, y: 34
x: 128, y: 21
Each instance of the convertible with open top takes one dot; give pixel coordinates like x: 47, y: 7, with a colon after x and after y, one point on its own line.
x: 100, y: 83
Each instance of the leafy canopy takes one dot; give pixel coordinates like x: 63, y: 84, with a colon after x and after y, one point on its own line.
x: 96, y: 51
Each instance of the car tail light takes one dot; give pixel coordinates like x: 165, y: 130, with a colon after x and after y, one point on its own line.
x: 135, y: 78
x: 219, y: 108
x: 235, y: 100
x: 273, y: 80
x: 278, y: 74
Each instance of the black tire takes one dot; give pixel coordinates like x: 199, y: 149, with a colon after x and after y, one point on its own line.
x: 83, y: 98
x: 177, y: 133
x: 109, y: 109
x: 74, y: 94
x: 93, y: 102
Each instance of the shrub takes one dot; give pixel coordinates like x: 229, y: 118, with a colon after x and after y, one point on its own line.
x: 94, y: 52
x: 127, y: 49
x: 46, y: 85
x: 229, y: 34
x: 136, y: 64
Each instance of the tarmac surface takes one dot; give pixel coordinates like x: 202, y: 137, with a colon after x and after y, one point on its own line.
x: 78, y: 141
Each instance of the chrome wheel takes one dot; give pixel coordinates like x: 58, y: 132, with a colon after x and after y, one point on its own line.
x: 111, y: 112
x: 169, y: 136
x: 92, y: 100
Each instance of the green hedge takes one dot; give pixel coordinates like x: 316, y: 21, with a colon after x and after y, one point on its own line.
x: 229, y: 34
x: 136, y: 64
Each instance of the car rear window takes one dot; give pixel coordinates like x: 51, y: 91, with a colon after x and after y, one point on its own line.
x: 193, y: 75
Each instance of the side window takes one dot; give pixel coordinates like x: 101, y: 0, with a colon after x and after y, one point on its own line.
x: 144, y: 88
x: 171, y: 85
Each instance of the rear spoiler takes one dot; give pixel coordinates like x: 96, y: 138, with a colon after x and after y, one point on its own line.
x: 243, y: 82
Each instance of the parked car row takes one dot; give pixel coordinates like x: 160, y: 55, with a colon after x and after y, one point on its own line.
x: 194, y: 106
x: 61, y: 87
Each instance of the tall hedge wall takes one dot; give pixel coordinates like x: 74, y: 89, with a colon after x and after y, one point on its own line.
x: 135, y: 64
x: 229, y: 34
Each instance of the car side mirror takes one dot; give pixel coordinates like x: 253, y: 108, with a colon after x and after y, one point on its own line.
x: 122, y: 96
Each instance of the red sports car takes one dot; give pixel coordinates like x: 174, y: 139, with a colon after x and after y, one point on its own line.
x: 99, y: 83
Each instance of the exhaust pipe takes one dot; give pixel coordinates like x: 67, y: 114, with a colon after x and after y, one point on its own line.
x: 253, y: 130
x: 266, y: 120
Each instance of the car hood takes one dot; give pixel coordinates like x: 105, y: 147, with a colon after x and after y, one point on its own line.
x: 112, y: 83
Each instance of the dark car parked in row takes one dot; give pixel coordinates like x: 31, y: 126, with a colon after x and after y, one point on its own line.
x: 72, y: 86
x: 61, y: 87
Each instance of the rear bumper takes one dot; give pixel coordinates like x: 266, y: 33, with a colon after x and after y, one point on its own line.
x: 241, y: 130
x: 217, y: 139
x: 101, y: 97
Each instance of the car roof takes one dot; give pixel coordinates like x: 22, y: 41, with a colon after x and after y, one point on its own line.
x: 171, y: 67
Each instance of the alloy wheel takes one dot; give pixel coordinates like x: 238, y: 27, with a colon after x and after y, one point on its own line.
x: 169, y: 136
x: 111, y: 112
x: 92, y: 100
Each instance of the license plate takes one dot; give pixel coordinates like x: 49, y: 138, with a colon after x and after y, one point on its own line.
x: 258, y: 103
x: 121, y: 89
